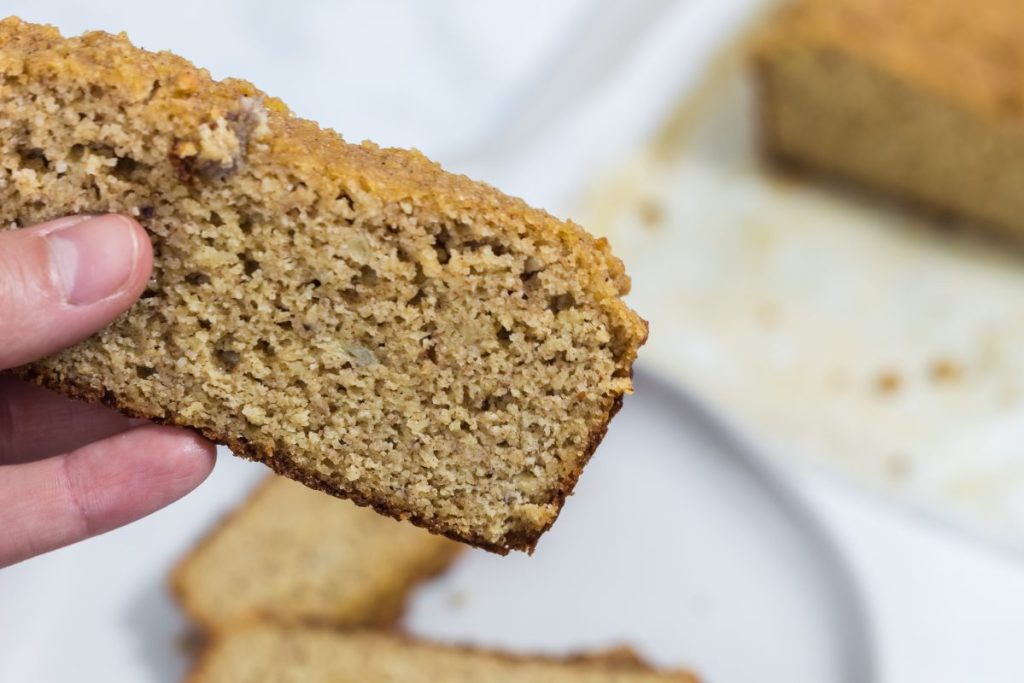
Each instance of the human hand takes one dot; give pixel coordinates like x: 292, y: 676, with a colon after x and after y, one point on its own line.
x: 71, y: 470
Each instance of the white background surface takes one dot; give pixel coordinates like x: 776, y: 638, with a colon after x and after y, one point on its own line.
x: 941, y: 606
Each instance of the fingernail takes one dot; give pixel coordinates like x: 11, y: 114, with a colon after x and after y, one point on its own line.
x: 94, y: 258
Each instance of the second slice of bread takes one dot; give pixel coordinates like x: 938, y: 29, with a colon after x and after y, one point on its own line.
x: 290, y: 554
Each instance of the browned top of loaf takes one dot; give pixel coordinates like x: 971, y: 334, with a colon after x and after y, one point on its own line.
x: 962, y: 49
x: 318, y: 157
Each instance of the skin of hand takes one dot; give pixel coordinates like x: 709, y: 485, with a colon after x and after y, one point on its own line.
x: 71, y: 470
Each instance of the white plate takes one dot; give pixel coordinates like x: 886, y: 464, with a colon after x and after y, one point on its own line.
x: 676, y: 543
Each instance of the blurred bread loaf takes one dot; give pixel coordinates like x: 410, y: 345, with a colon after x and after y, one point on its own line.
x: 921, y: 100
x: 354, y: 317
x: 290, y: 554
x: 270, y: 654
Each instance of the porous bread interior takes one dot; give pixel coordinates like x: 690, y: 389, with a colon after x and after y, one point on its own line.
x: 354, y: 317
x: 272, y: 655
x: 860, y: 111
x: 291, y: 554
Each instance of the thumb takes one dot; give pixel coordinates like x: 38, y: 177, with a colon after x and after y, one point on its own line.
x: 62, y: 281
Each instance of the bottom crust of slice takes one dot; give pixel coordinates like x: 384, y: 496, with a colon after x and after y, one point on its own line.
x: 524, y: 540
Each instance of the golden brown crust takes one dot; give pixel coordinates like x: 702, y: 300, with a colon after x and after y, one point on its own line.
x: 320, y: 157
x: 621, y: 657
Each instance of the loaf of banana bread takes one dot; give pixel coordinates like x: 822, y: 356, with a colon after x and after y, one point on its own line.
x: 921, y: 100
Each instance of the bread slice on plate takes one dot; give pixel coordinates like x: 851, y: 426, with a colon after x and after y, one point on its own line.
x: 354, y: 317
x: 922, y: 100
x: 271, y: 654
x: 290, y: 554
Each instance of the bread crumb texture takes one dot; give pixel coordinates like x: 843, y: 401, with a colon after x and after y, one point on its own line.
x: 271, y: 654
x: 290, y: 554
x: 352, y: 316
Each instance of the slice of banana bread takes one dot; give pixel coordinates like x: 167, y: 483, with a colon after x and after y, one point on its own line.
x: 271, y: 654
x: 923, y: 100
x: 290, y: 554
x: 354, y: 317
